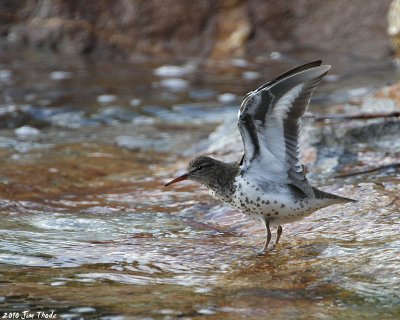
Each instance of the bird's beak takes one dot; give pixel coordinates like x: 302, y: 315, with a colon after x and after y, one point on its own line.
x: 180, y: 178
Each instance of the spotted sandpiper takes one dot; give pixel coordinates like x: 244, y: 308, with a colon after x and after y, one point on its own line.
x: 269, y: 183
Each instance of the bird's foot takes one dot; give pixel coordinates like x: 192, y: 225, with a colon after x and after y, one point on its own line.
x: 261, y: 253
x: 268, y: 249
x: 264, y: 251
x: 273, y: 248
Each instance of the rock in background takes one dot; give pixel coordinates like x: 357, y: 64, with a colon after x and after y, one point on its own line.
x: 208, y: 28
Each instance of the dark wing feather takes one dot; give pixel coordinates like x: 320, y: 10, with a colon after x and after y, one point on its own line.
x: 269, y: 122
x: 293, y: 71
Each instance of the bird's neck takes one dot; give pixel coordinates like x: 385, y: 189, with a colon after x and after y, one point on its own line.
x: 222, y: 182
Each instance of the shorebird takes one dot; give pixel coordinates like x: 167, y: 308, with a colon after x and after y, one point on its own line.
x: 269, y: 183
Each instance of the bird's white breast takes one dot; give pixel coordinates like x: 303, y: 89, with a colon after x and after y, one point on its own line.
x: 273, y: 202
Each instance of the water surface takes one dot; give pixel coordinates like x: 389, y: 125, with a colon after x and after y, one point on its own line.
x: 88, y: 230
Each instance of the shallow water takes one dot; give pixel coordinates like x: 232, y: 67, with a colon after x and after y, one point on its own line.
x: 88, y: 230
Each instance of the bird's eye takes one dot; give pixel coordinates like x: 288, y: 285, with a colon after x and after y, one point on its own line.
x: 199, y: 168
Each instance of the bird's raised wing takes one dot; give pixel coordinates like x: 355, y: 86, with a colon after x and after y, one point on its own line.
x: 269, y: 122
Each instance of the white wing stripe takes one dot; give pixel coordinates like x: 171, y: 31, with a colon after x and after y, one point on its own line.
x: 269, y: 121
x: 286, y: 102
x: 273, y: 139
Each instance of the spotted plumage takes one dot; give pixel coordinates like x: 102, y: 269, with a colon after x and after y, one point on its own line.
x: 269, y: 183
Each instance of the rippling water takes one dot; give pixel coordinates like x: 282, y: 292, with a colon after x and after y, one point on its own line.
x: 88, y: 230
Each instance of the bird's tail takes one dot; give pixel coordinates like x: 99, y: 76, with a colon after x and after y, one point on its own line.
x: 326, y: 195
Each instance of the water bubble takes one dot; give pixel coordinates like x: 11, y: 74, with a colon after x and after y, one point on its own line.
x: 276, y: 55
x: 60, y: 75
x: 174, y: 84
x: 112, y: 318
x: 167, y: 311
x: 106, y: 98
x: 227, y: 98
x: 142, y: 120
x: 170, y: 71
x: 203, y: 290
x: 69, y: 315
x: 27, y: 132
x: 240, y: 63
x: 83, y: 310
x: 5, y: 75
x: 205, y: 311
x: 135, y: 102
x: 331, y: 78
x: 250, y: 75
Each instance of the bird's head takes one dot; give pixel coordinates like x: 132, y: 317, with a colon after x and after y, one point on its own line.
x: 202, y: 169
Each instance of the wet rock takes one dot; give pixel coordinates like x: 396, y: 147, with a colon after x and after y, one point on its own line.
x: 13, y: 116
x: 385, y: 101
x: 340, y: 144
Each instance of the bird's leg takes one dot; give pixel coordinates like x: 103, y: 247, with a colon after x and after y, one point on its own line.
x: 268, y: 236
x: 278, y: 236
